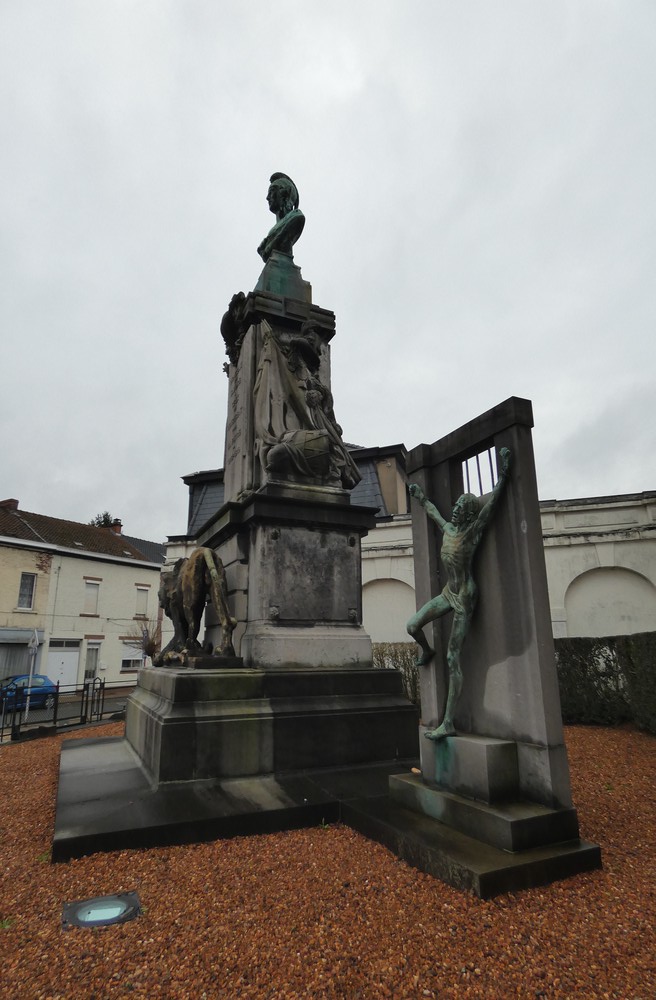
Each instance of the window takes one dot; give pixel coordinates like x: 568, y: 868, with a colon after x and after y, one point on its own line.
x: 26, y: 592
x: 131, y: 666
x: 91, y: 591
x: 142, y: 602
x: 91, y: 662
x: 479, y: 472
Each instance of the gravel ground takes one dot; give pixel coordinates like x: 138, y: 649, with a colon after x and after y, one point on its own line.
x: 325, y: 912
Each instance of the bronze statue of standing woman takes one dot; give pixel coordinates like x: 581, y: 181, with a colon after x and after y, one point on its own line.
x: 461, y: 537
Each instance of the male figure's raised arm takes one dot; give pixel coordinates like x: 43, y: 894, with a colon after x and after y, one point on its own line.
x: 430, y: 508
x: 488, y: 509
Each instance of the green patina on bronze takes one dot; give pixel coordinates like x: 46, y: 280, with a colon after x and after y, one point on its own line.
x: 461, y: 537
x: 282, y: 197
x: 281, y: 276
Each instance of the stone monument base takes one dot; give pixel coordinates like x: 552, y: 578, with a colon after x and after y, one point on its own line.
x: 510, y: 826
x: 298, y: 647
x: 473, y: 829
x: 462, y: 861
x: 105, y: 801
x: 189, y: 725
x: 215, y: 752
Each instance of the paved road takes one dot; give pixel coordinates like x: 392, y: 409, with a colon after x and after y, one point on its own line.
x: 69, y: 709
x: 72, y: 709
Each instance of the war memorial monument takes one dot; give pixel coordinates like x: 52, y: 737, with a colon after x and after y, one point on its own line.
x: 277, y: 717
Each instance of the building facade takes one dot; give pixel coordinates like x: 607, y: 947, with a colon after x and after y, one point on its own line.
x: 600, y: 552
x: 84, y: 593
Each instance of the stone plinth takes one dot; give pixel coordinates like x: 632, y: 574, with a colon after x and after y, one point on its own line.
x: 463, y: 861
x: 477, y: 766
x: 293, y: 566
x: 189, y: 725
x: 215, y: 662
x: 473, y: 787
x: 280, y: 276
x: 510, y: 826
x: 263, y: 312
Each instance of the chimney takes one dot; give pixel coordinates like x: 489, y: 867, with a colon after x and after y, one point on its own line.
x: 117, y: 526
x: 10, y: 504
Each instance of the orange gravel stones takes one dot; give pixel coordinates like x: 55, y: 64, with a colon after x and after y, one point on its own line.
x: 325, y: 913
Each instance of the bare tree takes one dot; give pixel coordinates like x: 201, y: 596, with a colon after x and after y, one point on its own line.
x: 146, y: 636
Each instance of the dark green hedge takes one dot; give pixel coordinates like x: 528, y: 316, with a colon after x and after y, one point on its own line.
x: 602, y: 681
x: 638, y: 656
x: 608, y: 680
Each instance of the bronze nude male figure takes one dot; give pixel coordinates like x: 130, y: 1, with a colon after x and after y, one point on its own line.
x: 461, y: 537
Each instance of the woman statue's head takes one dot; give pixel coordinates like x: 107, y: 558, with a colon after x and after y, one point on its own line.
x: 282, y: 195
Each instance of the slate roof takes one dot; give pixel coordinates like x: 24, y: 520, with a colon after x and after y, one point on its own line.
x: 207, y: 493
x: 206, y: 499
x: 32, y: 527
x: 153, y: 551
x: 367, y: 492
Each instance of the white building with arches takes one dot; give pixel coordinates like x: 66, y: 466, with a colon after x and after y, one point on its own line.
x: 600, y: 554
x: 388, y: 579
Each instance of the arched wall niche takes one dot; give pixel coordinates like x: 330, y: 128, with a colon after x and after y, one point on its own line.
x: 386, y: 607
x: 610, y: 601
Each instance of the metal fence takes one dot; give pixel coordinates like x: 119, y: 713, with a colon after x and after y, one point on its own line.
x: 27, y: 711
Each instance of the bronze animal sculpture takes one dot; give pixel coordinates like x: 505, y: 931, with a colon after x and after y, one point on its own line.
x: 183, y: 594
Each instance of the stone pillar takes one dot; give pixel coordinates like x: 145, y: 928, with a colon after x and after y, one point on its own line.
x: 262, y: 313
x: 293, y: 566
x: 288, y: 535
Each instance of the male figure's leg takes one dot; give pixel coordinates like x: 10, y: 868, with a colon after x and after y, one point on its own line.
x: 435, y: 608
x: 459, y: 630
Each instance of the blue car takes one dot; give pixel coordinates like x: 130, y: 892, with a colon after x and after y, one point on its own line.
x: 14, y: 690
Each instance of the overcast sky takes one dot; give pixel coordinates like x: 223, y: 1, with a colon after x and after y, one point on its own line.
x: 478, y: 181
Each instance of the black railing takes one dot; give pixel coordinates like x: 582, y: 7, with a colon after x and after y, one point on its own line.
x: 26, y: 710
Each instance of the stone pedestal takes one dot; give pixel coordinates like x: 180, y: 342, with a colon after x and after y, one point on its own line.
x: 288, y: 537
x: 191, y: 725
x: 263, y: 311
x: 294, y: 579
x: 280, y: 276
x: 473, y: 787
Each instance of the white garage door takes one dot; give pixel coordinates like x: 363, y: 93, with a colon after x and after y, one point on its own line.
x: 63, y: 661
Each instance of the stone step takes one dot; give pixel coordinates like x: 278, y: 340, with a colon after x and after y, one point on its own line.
x: 460, y: 860
x: 509, y: 826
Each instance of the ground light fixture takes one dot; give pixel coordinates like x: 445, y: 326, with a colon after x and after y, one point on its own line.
x: 101, y: 911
